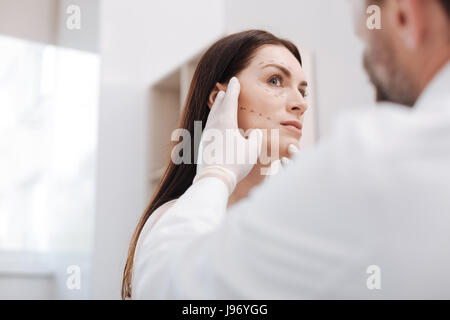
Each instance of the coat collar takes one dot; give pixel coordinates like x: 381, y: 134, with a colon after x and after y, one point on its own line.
x: 437, y: 94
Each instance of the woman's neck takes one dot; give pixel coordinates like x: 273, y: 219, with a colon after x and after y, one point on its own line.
x: 243, y: 188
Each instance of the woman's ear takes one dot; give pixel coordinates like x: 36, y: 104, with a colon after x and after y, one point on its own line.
x: 212, y: 96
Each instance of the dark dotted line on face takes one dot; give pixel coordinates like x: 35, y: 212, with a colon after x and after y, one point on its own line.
x: 253, y: 111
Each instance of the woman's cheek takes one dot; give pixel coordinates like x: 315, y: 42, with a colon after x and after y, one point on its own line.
x: 244, y: 122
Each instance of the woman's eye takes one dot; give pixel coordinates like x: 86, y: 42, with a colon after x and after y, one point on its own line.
x: 276, y: 81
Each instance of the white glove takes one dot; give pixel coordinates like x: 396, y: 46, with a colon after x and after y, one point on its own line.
x: 223, y: 151
x: 278, y: 165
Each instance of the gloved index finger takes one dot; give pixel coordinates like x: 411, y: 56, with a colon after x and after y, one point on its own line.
x: 232, y: 96
x: 218, y: 101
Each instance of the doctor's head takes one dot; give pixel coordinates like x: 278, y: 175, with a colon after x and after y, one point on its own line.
x: 406, y: 43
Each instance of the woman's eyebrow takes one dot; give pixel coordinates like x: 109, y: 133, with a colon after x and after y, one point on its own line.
x: 285, y: 71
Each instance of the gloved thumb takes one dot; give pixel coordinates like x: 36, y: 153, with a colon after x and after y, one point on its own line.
x: 285, y: 161
x: 292, y: 149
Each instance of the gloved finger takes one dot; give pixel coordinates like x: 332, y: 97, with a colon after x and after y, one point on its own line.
x: 255, y: 140
x: 285, y: 161
x: 292, y: 150
x: 218, y: 101
x: 274, y: 168
x: 230, y: 102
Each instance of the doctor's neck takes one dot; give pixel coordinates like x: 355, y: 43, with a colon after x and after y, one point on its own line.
x: 436, y: 61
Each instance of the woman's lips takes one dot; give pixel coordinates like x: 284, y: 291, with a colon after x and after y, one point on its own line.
x: 293, y: 125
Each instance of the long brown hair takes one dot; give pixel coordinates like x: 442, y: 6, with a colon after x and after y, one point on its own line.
x: 223, y: 60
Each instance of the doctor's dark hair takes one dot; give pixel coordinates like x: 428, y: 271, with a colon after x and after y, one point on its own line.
x: 223, y: 60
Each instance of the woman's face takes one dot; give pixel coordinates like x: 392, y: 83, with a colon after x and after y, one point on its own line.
x: 272, y: 97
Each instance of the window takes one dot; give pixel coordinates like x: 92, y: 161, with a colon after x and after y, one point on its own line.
x: 48, y: 137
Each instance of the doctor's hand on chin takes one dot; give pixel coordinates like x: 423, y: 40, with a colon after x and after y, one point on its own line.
x: 224, y: 152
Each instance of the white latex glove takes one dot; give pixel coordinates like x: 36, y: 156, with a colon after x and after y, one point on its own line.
x: 224, y: 152
x: 278, y: 165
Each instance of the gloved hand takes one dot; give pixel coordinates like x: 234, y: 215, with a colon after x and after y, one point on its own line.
x: 223, y: 151
x: 278, y: 165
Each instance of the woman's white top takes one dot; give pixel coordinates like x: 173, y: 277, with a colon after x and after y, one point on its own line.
x: 138, y: 264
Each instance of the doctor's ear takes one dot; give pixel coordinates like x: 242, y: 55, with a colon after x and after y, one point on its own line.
x: 212, y: 96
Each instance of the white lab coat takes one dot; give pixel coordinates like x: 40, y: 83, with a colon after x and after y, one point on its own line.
x: 376, y: 193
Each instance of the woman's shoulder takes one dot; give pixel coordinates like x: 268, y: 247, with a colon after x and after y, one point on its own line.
x: 158, y: 213
x: 152, y: 220
x: 164, y: 207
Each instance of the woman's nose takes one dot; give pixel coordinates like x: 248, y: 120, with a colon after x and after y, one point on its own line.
x: 299, y: 106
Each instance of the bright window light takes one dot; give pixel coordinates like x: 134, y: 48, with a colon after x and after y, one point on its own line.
x: 48, y: 139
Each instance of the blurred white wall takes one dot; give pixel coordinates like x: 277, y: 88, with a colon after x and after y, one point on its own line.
x: 45, y: 21
x: 85, y: 38
x: 29, y: 19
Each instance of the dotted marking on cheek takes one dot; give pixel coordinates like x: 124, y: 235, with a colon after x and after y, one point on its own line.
x: 253, y: 111
x: 275, y: 123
